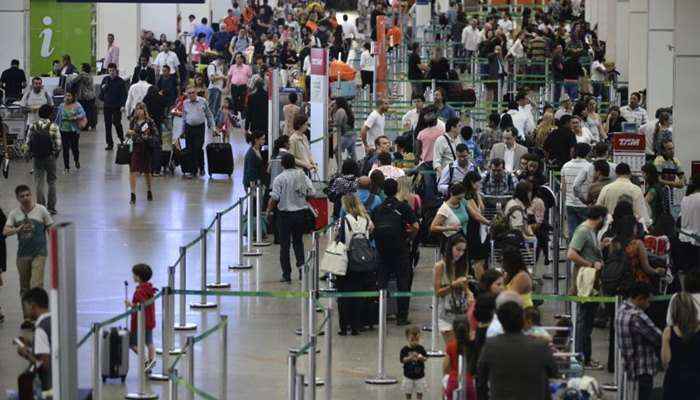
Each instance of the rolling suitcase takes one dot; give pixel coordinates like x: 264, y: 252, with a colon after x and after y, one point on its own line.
x: 219, y: 159
x: 115, y: 354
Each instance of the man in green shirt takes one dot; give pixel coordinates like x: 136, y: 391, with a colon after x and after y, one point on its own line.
x: 584, y: 252
x: 29, y: 222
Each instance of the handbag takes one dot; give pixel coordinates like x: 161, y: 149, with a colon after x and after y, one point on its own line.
x: 309, y: 219
x: 123, y: 154
x: 335, y: 259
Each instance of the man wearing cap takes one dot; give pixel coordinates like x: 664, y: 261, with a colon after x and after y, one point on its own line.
x: 565, y: 107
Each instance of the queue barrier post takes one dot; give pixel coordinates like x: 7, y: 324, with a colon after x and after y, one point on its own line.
x: 434, y: 351
x: 381, y: 378
x: 249, y: 251
x: 292, y: 377
x: 329, y: 353
x: 167, y: 336
x: 301, y: 331
x: 311, y: 364
x: 96, y: 362
x: 172, y: 386
x: 619, y: 373
x: 240, y: 264
x: 189, y: 378
x: 141, y: 363
x: 169, y: 311
x: 184, y: 325
x: 217, y: 235
x: 259, y: 242
x: 299, y: 387
x: 203, y: 302
x: 223, y: 358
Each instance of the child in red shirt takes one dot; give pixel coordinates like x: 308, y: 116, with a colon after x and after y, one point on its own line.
x: 144, y: 292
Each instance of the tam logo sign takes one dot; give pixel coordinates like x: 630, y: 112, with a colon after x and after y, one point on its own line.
x: 628, y: 142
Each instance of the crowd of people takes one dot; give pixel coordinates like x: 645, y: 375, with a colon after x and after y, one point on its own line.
x: 481, y: 196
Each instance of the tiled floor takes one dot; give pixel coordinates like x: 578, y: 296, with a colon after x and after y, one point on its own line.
x: 112, y: 236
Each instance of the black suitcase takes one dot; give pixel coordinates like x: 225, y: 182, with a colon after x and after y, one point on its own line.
x: 219, y: 159
x: 185, y: 160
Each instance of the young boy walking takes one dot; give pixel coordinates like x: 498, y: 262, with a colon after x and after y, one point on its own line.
x: 144, y: 292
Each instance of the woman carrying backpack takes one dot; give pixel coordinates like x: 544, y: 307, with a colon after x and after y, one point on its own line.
x: 516, y: 209
x: 350, y: 310
x: 451, y: 285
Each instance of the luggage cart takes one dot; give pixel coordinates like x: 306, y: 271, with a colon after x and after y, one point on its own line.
x: 14, y: 119
x: 527, y: 252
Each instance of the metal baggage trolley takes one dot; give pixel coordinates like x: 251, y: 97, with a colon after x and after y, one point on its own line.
x: 14, y: 120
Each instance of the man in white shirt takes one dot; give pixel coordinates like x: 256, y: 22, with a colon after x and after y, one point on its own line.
x: 586, y: 177
x: 137, y: 92
x: 523, y: 120
x: 410, y: 119
x: 217, y: 81
x: 648, y: 130
x: 576, y: 210
x: 565, y: 107
x: 444, y: 147
x: 622, y: 187
x: 471, y: 37
x: 34, y: 98
x: 112, y: 55
x: 38, y: 352
x: 633, y: 112
x: 457, y: 170
x: 374, y: 125
x: 166, y: 57
x: 349, y: 29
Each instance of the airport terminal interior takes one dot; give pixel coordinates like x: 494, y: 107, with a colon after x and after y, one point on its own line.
x: 578, y: 115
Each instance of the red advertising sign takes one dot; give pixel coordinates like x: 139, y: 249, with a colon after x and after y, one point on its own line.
x: 628, y: 142
x: 319, y: 61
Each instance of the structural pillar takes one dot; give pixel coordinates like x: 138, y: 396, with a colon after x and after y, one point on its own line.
x: 660, y: 54
x: 637, y: 54
x: 686, y: 82
x: 607, y: 11
x: 622, y: 42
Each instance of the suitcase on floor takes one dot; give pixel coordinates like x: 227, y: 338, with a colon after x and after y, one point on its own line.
x: 219, y: 159
x: 115, y: 354
x: 185, y: 161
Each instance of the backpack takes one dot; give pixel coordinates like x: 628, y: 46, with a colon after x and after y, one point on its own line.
x: 616, y: 271
x: 388, y: 226
x: 40, y: 143
x: 428, y: 212
x: 500, y: 226
x: 361, y: 255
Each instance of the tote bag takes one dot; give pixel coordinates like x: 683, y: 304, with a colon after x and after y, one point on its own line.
x: 335, y: 259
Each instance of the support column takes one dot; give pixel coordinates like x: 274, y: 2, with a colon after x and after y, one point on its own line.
x: 622, y: 40
x: 686, y: 82
x: 660, y: 54
x: 637, y: 54
x: 606, y: 27
x: 319, y: 109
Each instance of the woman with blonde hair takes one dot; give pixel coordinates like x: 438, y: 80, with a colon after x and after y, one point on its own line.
x: 544, y: 128
x: 405, y: 193
x: 356, y: 221
x: 680, y: 348
x: 143, y: 134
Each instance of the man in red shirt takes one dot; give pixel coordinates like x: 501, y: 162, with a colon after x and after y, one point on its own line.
x: 231, y: 22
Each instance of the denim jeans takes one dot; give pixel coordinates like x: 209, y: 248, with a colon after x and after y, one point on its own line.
x: 585, y: 315
x: 45, y: 170
x: 571, y: 88
x: 574, y: 217
x: 557, y: 91
x: 215, y: 102
x: 347, y: 142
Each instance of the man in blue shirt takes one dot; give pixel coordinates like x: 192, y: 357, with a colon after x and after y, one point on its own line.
x: 205, y: 29
x: 445, y: 112
x: 368, y: 199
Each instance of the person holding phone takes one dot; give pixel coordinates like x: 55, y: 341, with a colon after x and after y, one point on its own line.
x: 143, y: 134
x: 38, y: 351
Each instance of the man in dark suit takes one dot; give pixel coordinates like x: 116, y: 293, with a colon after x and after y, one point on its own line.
x: 513, y: 365
x: 143, y: 64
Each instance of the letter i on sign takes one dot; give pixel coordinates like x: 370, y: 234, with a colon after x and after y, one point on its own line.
x: 46, y: 35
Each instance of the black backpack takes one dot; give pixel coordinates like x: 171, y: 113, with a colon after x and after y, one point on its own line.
x: 388, y: 226
x: 40, y: 143
x: 361, y: 255
x: 616, y: 272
